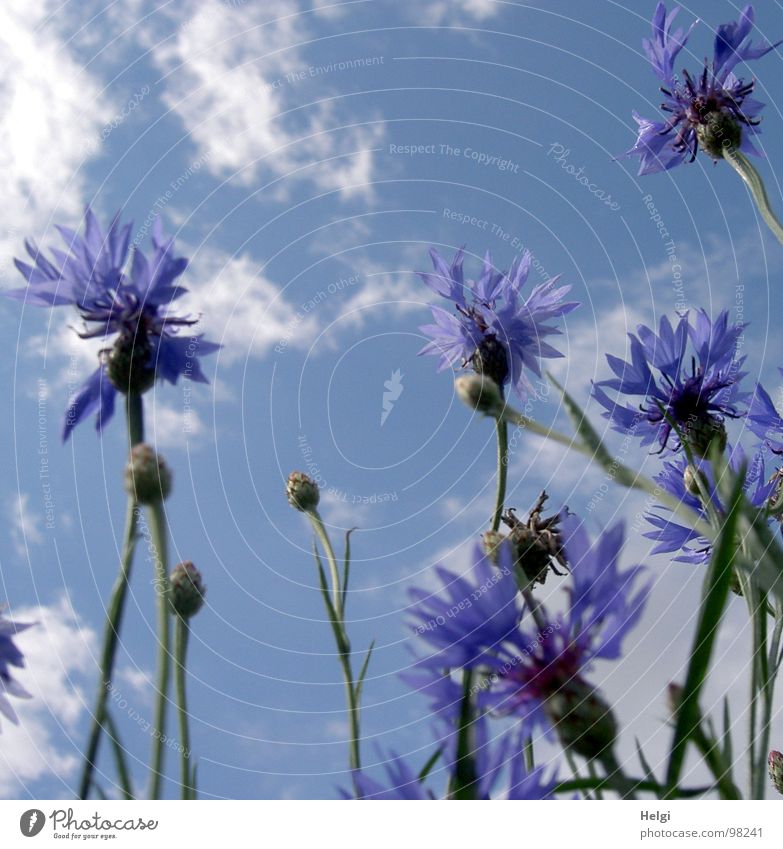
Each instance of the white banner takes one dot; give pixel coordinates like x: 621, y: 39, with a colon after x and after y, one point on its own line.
x: 316, y: 825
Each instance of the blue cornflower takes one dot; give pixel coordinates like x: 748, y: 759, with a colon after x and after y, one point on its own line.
x: 764, y: 420
x: 678, y: 480
x: 695, y: 392
x: 712, y: 110
x: 493, y: 328
x: 492, y: 761
x: 537, y: 677
x: 133, y: 303
x: 10, y: 656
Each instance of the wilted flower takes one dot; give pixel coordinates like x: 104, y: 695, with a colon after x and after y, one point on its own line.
x: 538, y: 677
x: 694, y: 392
x: 10, y: 656
x: 713, y: 109
x: 131, y: 304
x: 493, y: 329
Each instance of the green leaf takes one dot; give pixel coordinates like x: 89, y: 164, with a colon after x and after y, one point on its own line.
x: 346, y: 564
x: 715, y: 595
x: 332, y: 613
x: 431, y: 761
x: 648, y: 770
x: 363, y: 672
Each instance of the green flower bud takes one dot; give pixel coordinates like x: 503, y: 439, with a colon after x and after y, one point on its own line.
x: 187, y: 590
x: 147, y: 477
x: 584, y: 722
x: 480, y: 393
x: 302, y: 492
x: 776, y: 770
x: 718, y: 132
x: 128, y: 363
x: 693, y: 479
x: 701, y: 432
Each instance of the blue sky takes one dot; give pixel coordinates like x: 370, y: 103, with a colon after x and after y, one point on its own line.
x: 306, y: 158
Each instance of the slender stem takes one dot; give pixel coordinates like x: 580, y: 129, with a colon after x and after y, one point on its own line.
x: 500, y: 498
x: 752, y: 179
x: 323, y: 537
x: 119, y: 756
x: 158, y: 530
x: 353, y: 709
x: 574, y: 767
x: 713, y: 757
x: 530, y: 756
x: 336, y: 610
x: 116, y: 608
x: 615, y: 777
x: 181, y: 635
x: 593, y: 773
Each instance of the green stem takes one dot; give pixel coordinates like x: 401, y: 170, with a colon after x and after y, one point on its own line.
x: 116, y: 608
x: 500, y: 498
x: 335, y: 609
x: 119, y: 756
x: 159, y: 534
x: 752, y: 179
x: 615, y: 777
x: 711, y: 753
x: 181, y: 635
x: 530, y: 756
x: 323, y: 537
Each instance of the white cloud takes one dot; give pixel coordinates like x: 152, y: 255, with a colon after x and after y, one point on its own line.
x: 450, y: 11
x: 60, y: 656
x: 226, y: 79
x: 25, y: 523
x: 242, y: 309
x: 51, y: 113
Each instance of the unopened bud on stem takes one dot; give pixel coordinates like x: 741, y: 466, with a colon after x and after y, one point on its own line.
x: 775, y: 762
x: 187, y: 590
x: 480, y: 393
x: 147, y: 477
x: 302, y: 492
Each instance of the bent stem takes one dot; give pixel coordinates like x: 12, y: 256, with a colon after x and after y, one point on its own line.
x: 181, y: 635
x: 159, y: 534
x: 115, y: 611
x: 752, y: 179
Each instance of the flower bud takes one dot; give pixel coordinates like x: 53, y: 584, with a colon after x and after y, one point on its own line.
x: 480, y: 393
x: 718, y: 132
x: 584, y: 722
x: 701, y: 432
x: 775, y: 762
x: 187, y: 590
x: 147, y: 477
x: 128, y: 364
x: 302, y: 492
x: 491, y: 360
x: 694, y: 479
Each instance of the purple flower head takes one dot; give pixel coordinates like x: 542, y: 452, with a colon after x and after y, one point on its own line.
x: 492, y: 760
x: 477, y: 624
x: 132, y: 303
x: 695, y: 390
x: 492, y: 327
x: 712, y: 109
x: 10, y: 656
x: 764, y: 420
x: 672, y: 537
